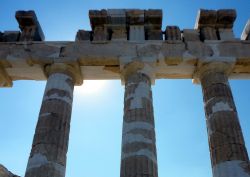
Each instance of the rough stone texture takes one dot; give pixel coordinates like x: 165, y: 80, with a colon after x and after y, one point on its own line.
x: 226, y: 34
x: 153, y: 19
x: 136, y: 33
x: 227, y: 148
x: 119, y: 34
x: 206, y: 18
x: 98, y: 18
x: 138, y: 141
x: 50, y: 143
x: 116, y: 16
x: 83, y: 35
x: 29, y: 26
x: 26, y: 62
x: 100, y: 34
x: 209, y: 21
x: 135, y: 17
x: 154, y: 35
x: 172, y: 33
x: 135, y: 20
x: 208, y: 33
x: 223, y: 18
x: 226, y: 18
x: 246, y: 32
x: 10, y: 36
x: 117, y: 24
x: 4, y: 172
x: 98, y: 21
x: 191, y: 35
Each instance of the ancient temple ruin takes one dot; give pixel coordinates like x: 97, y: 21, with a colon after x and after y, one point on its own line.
x: 130, y: 45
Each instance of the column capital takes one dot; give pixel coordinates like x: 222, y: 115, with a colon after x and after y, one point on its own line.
x: 137, y: 67
x: 212, y: 66
x: 73, y: 70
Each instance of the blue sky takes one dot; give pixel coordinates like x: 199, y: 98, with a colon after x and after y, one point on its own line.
x: 96, y: 127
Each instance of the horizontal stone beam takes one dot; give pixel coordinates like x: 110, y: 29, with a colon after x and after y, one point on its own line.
x: 169, y: 59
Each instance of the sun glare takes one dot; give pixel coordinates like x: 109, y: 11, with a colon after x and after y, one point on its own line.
x: 90, y: 87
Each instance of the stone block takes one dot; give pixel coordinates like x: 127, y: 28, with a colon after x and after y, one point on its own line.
x: 206, y: 18
x: 172, y: 33
x: 226, y: 18
x: 246, y: 32
x: 117, y: 24
x: 223, y: 18
x: 135, y: 17
x: 153, y: 18
x: 100, y: 34
x: 191, y: 35
x: 208, y: 33
x: 98, y: 18
x: 29, y: 26
x: 83, y: 35
x: 116, y: 16
x: 119, y: 34
x: 136, y: 33
x: 11, y: 36
x: 154, y: 35
x: 226, y: 34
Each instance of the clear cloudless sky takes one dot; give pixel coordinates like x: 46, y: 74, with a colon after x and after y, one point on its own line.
x: 96, y: 126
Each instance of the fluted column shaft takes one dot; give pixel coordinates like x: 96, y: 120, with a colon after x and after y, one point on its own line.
x: 228, y: 153
x: 50, y: 143
x: 139, y: 157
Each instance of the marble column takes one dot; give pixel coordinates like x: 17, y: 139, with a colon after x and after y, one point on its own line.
x: 50, y: 143
x: 228, y: 152
x: 139, y: 157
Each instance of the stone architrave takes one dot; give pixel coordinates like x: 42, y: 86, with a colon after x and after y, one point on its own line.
x: 228, y: 152
x: 50, y: 143
x: 138, y: 138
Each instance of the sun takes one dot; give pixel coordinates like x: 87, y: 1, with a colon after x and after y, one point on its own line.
x: 90, y: 87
